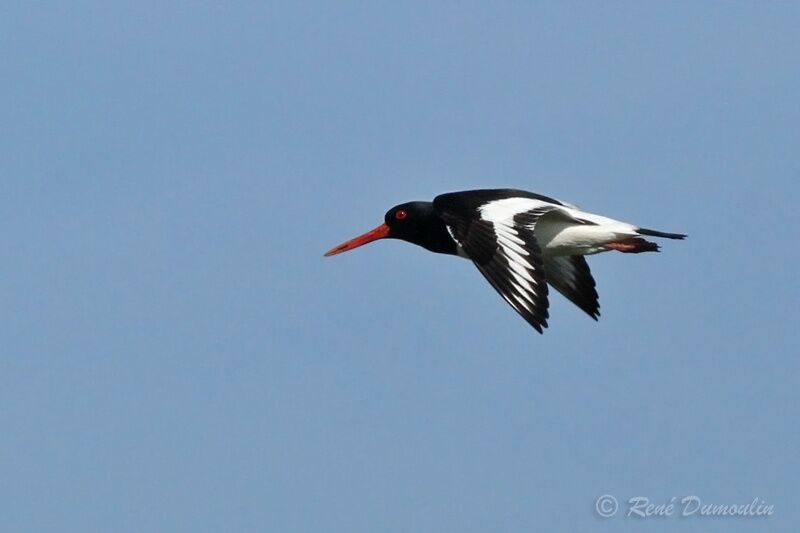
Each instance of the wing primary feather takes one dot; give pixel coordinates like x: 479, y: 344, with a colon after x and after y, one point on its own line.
x: 571, y: 276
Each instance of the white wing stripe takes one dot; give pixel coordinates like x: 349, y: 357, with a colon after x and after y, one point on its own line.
x: 522, y: 270
x: 508, y: 232
x: 515, y: 257
x: 510, y: 245
x: 518, y: 296
x: 507, y: 208
x: 524, y: 286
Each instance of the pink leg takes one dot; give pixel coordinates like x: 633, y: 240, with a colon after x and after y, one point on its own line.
x: 634, y: 245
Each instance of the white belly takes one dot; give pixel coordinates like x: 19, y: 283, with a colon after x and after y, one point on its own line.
x: 559, y: 236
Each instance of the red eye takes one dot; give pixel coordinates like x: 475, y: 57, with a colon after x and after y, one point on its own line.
x: 400, y: 215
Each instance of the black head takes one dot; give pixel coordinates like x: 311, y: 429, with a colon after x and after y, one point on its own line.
x: 414, y: 222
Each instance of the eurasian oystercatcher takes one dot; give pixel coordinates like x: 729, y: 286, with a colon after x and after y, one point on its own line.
x: 520, y: 241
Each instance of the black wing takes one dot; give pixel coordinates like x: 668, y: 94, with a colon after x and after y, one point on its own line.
x: 474, y: 199
x: 570, y: 275
x: 505, y: 252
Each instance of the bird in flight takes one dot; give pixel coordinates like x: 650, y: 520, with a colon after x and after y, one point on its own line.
x: 520, y: 241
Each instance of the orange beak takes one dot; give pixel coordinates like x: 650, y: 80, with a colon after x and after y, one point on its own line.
x: 381, y: 232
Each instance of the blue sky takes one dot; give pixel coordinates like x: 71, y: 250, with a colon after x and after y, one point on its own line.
x: 176, y: 354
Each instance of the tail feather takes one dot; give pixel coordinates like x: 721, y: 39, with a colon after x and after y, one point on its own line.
x: 662, y: 234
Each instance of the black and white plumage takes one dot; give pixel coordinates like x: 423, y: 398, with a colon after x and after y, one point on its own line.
x: 520, y: 241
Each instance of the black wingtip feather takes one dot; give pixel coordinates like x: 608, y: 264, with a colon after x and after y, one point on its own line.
x: 571, y: 276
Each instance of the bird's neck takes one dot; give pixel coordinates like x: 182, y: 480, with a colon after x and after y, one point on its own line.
x: 437, y: 239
